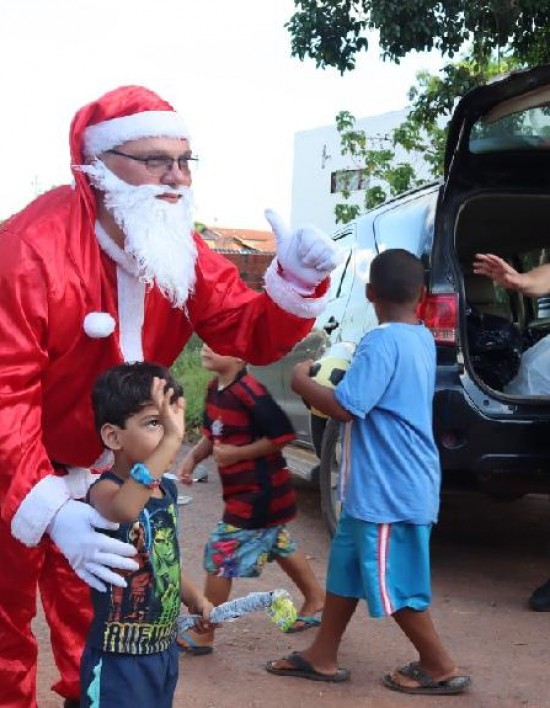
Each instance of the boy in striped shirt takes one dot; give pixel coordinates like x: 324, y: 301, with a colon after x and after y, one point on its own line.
x: 245, y: 430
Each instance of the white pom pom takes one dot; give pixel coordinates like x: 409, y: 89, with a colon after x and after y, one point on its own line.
x: 99, y: 324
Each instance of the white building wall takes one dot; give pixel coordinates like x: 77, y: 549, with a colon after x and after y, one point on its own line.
x: 317, y: 156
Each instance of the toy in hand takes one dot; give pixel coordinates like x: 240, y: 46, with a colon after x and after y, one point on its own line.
x: 277, y: 603
x: 330, y: 369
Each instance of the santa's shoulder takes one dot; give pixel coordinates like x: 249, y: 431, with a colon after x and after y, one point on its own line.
x: 44, y: 223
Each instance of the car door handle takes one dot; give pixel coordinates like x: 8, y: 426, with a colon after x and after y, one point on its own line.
x: 331, y: 325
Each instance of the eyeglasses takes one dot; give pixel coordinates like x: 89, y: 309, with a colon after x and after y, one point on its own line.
x: 160, y: 164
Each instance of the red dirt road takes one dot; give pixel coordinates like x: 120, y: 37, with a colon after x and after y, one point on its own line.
x: 487, y: 558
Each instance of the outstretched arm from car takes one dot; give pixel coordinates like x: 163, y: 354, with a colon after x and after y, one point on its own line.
x: 534, y: 283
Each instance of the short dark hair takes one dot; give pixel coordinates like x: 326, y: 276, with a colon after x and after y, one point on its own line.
x: 123, y: 390
x: 397, y: 276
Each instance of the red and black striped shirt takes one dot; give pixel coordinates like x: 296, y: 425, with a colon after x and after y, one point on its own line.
x: 257, y: 493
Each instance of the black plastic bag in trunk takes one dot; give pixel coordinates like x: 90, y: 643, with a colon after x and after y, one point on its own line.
x: 494, y: 347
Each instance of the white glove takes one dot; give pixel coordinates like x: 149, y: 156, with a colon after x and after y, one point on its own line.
x: 91, y: 554
x: 306, y: 256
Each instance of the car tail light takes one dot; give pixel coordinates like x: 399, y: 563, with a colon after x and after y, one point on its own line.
x: 439, y: 313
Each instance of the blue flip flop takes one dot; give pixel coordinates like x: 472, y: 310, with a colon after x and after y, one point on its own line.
x: 306, y: 622
x: 187, y: 645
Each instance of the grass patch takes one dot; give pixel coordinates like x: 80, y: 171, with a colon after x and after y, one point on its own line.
x: 189, y: 372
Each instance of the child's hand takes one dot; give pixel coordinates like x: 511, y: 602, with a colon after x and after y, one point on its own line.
x: 200, y: 605
x: 171, y: 415
x: 302, y: 369
x: 226, y: 454
x: 186, y: 469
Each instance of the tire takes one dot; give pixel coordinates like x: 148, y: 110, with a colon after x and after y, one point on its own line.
x: 316, y: 430
x: 317, y: 427
x: 328, y: 482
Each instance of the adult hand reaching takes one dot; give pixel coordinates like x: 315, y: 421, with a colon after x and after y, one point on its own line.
x: 91, y: 554
x: 307, y: 256
x: 498, y: 270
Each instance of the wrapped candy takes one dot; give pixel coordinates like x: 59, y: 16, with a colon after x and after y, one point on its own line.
x: 277, y: 603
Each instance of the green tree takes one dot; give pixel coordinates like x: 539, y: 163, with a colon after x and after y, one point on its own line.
x: 482, y: 39
x: 334, y: 32
x: 422, y: 133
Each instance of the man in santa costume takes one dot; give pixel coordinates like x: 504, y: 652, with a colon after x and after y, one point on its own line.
x: 105, y: 271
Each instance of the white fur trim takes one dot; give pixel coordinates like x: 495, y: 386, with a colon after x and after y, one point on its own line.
x: 131, y: 296
x: 98, y: 325
x: 38, y: 508
x: 114, y: 251
x: 131, y: 313
x: 149, y: 124
x: 105, y: 461
x: 78, y: 481
x: 282, y: 292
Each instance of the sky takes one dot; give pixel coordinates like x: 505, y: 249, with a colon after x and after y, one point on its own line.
x: 225, y: 65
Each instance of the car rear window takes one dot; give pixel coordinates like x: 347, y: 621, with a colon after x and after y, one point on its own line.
x: 521, y: 123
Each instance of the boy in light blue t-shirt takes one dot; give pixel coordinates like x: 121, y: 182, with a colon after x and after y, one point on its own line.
x: 390, y: 479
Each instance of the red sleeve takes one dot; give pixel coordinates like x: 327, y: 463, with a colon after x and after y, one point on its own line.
x: 23, y: 358
x: 270, y: 420
x: 233, y: 319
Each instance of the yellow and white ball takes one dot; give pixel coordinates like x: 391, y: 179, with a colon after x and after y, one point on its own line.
x: 330, y: 369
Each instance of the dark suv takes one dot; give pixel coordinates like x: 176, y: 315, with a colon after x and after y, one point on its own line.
x: 495, y: 197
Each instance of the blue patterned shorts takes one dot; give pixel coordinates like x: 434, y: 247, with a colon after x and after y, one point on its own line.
x: 231, y: 552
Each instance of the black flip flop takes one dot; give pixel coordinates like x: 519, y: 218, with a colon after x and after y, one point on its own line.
x: 426, y: 685
x: 305, y: 670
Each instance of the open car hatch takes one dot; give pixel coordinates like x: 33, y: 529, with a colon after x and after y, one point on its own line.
x: 500, y: 128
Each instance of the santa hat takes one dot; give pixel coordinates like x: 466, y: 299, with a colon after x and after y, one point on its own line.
x: 127, y: 113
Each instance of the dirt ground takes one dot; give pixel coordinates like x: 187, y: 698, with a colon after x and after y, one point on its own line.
x: 487, y: 558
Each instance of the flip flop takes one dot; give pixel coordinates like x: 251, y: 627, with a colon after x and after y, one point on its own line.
x: 306, y: 622
x: 187, y: 645
x: 303, y: 669
x: 426, y: 685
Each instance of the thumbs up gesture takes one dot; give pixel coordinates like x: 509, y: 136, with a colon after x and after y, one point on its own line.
x: 306, y: 256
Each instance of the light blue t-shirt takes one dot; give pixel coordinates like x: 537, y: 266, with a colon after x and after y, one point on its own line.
x: 390, y: 468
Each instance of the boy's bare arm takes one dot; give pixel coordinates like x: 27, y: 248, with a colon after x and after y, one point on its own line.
x: 317, y: 396
x: 231, y: 454
x: 197, y: 603
x: 196, y: 454
x: 124, y: 503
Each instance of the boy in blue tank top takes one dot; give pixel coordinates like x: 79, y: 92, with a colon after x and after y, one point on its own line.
x: 389, y: 483
x: 130, y: 657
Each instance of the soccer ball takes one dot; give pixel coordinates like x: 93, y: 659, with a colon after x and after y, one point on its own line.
x: 330, y: 369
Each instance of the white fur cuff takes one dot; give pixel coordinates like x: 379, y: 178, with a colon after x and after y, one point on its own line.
x: 282, y: 292
x: 78, y: 481
x: 38, y: 508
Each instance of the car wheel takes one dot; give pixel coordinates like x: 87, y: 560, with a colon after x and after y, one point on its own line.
x: 331, y: 455
x: 317, y: 427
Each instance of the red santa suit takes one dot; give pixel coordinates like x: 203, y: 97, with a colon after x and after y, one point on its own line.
x: 53, y: 275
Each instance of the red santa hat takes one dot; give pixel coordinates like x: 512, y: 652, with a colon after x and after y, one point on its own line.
x: 127, y: 113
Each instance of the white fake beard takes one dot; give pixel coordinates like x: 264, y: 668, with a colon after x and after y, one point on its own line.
x: 158, y: 234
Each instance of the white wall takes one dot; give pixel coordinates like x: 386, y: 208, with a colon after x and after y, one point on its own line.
x: 317, y: 156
